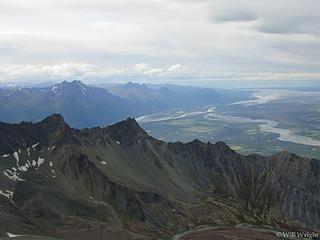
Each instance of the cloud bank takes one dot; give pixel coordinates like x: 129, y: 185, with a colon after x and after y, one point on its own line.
x: 159, y: 39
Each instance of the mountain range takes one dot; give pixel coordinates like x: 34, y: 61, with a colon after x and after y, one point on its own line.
x: 160, y: 97
x: 88, y: 106
x: 117, y: 182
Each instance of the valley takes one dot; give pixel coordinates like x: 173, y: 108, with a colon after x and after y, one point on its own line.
x: 260, y: 125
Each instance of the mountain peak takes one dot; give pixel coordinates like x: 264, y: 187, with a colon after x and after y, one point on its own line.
x: 284, y: 155
x: 131, y: 121
x: 53, y: 122
x: 136, y: 85
x: 67, y: 87
x: 127, y: 131
x: 54, y: 119
x: 54, y: 130
x: 196, y: 143
x: 74, y: 82
x: 222, y: 147
x: 129, y: 124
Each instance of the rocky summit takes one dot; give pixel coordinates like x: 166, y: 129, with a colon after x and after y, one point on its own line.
x: 117, y: 182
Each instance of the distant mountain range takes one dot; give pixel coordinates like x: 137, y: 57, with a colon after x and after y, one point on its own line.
x: 117, y: 182
x: 157, y: 97
x: 87, y: 106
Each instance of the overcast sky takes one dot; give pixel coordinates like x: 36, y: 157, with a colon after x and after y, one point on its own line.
x: 159, y: 40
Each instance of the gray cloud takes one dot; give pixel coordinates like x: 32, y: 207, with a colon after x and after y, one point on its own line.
x: 281, y: 17
x: 292, y: 17
x: 300, y: 25
x: 238, y: 15
x: 195, y: 38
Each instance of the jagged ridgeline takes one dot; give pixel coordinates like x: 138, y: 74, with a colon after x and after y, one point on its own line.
x: 118, y: 182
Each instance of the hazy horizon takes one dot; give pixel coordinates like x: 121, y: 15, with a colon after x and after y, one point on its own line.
x: 214, y: 84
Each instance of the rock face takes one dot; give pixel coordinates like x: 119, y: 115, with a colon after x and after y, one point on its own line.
x: 55, y: 180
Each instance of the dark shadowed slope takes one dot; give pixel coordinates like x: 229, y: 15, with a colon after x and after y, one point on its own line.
x: 58, y: 181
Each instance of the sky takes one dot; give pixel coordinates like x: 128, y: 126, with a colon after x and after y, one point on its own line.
x: 159, y: 40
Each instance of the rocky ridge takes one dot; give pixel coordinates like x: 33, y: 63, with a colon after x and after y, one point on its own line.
x: 58, y: 181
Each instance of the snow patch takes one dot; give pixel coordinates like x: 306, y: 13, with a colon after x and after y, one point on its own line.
x: 34, y: 146
x: 10, y: 235
x: 51, y: 148
x: 40, y: 161
x: 83, y: 89
x: 16, y: 156
x: 24, y: 168
x: 8, y: 194
x: 56, y: 89
x: 12, y: 175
